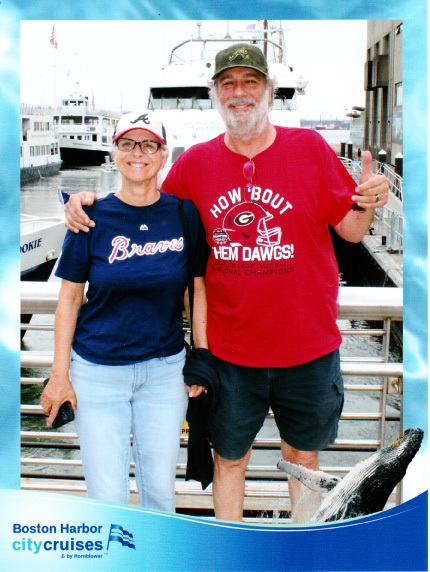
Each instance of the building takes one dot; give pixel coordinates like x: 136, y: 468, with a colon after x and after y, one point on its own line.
x: 383, y: 83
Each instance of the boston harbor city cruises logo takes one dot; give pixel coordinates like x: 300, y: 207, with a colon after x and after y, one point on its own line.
x: 69, y: 541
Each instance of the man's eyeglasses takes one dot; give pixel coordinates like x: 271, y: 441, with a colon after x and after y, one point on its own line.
x: 147, y: 146
x: 249, y: 172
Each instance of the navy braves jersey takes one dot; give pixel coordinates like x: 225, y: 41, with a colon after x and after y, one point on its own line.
x: 135, y: 263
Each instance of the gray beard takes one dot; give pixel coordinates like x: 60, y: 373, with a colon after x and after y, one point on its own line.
x: 247, y: 127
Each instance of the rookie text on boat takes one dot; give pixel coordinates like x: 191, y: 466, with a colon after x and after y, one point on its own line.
x: 31, y: 245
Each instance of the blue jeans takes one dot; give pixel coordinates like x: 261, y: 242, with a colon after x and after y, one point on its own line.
x: 149, y: 401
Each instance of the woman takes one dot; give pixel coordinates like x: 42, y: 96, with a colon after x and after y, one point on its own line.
x: 125, y: 345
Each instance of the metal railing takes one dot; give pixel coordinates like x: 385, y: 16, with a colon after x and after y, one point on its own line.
x: 394, y: 180
x: 387, y: 222
x: 265, y: 484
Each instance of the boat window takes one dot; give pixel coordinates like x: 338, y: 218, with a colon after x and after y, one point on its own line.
x: 71, y: 120
x: 176, y: 151
x: 185, y: 103
x: 41, y: 126
x: 202, y: 104
x: 285, y: 98
x: 179, y: 98
x: 91, y: 120
x: 169, y: 103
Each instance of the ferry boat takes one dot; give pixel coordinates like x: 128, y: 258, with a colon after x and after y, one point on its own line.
x: 180, y: 92
x: 39, y: 146
x: 41, y: 243
x: 85, y: 133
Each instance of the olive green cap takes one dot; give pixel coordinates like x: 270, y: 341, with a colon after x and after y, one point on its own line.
x: 241, y: 56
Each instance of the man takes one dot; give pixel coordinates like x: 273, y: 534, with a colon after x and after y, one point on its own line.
x: 267, y: 196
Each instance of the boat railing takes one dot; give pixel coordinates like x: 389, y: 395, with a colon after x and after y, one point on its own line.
x: 176, y: 58
x: 29, y: 109
x: 266, y: 491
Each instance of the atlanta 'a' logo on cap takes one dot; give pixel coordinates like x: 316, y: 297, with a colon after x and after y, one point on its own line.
x: 144, y: 118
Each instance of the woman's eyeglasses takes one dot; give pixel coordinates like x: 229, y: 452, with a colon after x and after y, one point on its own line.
x: 147, y: 146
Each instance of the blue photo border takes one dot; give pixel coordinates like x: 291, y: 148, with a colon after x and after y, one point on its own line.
x: 242, y: 548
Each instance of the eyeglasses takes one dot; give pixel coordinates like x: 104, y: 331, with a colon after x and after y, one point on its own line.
x: 149, y: 147
x: 249, y: 172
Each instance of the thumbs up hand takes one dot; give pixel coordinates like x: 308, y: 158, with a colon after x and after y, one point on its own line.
x: 372, y: 189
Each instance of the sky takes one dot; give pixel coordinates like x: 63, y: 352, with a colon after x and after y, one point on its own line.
x: 115, y: 60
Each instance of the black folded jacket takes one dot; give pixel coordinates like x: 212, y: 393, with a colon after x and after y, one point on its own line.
x: 200, y: 370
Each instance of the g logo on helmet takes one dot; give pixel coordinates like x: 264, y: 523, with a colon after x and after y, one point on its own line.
x: 243, y: 219
x: 248, y: 224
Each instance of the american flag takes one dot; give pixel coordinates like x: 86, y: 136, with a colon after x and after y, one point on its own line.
x: 53, y: 40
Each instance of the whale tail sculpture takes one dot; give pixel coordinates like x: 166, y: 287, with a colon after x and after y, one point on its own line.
x: 366, y: 488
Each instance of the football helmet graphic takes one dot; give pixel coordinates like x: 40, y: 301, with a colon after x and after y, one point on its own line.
x: 247, y: 224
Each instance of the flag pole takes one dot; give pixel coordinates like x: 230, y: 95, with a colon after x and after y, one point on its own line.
x: 55, y: 45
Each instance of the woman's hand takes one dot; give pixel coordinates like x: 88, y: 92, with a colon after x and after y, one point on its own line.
x: 57, y: 391
x: 195, y: 390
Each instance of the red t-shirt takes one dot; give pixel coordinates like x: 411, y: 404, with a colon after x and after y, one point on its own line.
x: 272, y: 277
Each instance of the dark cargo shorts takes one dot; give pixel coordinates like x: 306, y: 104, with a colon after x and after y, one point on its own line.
x: 306, y: 400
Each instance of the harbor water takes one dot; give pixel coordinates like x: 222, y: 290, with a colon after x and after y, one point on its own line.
x: 41, y: 198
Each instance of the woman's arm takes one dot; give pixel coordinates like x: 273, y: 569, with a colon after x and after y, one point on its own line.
x: 199, y: 323
x: 59, y: 388
x: 200, y: 311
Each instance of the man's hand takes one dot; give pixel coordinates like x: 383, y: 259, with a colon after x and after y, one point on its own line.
x: 372, y: 189
x: 76, y: 219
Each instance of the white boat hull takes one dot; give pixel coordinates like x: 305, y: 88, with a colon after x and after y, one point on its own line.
x: 41, y: 244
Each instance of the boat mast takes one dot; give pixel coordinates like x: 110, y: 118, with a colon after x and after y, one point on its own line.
x: 265, y: 28
x: 281, y: 42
